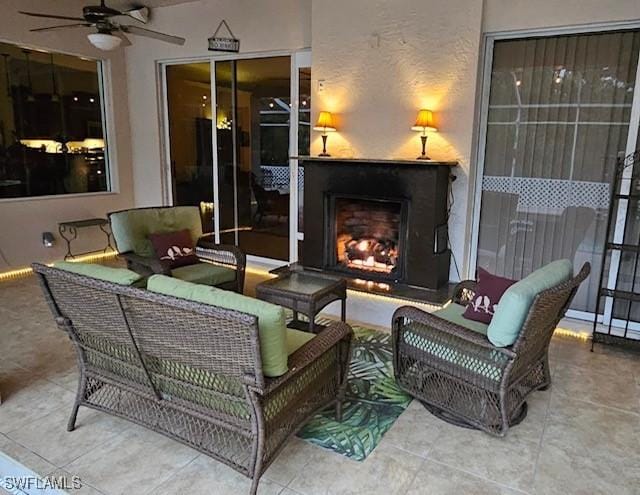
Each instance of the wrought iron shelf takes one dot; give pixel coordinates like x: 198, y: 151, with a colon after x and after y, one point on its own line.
x: 626, y: 196
x: 632, y: 248
x: 69, y: 232
x: 605, y: 338
x: 621, y: 294
x: 608, y: 334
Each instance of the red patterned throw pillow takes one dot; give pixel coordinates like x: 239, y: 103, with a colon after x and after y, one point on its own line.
x: 488, y: 292
x: 174, y: 248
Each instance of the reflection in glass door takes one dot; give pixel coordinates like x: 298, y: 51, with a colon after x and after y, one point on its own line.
x: 226, y: 135
x: 230, y: 132
x: 559, y: 113
x: 188, y: 88
x: 253, y: 113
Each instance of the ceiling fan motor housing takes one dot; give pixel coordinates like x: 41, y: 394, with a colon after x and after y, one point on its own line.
x: 97, y: 13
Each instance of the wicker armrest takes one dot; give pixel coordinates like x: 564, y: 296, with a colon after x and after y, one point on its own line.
x: 335, y: 334
x: 145, y: 265
x: 225, y: 254
x: 439, y: 329
x: 464, y: 291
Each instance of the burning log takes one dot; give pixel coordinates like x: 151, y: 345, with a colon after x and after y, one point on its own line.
x: 379, y: 255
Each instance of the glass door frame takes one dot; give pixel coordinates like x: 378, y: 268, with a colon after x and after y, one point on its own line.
x: 478, y: 158
x: 299, y: 59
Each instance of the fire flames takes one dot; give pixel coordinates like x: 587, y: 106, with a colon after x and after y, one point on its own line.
x: 369, y: 254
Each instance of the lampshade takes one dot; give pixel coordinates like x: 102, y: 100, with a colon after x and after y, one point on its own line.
x: 424, y: 121
x: 104, y: 41
x: 325, y: 122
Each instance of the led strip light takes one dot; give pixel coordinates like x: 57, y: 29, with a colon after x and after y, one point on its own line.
x: 25, y: 272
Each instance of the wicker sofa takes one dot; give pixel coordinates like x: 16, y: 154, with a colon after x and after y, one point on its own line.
x: 460, y: 376
x: 130, y: 228
x: 192, y: 371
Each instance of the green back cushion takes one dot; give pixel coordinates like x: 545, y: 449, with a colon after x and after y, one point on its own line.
x: 514, y: 304
x: 131, y: 228
x: 120, y: 276
x: 271, y: 318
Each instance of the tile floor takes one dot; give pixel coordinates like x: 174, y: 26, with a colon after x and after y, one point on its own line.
x: 581, y: 437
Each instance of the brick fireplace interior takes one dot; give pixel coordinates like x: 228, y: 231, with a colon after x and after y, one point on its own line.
x: 367, y: 236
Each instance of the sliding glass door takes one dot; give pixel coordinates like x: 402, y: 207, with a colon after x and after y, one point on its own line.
x: 253, y: 115
x: 232, y: 126
x: 557, y: 116
x: 188, y: 89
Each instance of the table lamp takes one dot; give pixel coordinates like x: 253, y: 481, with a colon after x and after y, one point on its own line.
x: 424, y: 123
x: 324, y: 124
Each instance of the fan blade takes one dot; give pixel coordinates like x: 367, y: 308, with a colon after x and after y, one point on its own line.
x: 140, y: 14
x: 153, y: 34
x: 123, y: 37
x: 63, y: 26
x: 49, y: 16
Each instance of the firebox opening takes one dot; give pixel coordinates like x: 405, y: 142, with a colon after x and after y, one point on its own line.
x: 368, y: 236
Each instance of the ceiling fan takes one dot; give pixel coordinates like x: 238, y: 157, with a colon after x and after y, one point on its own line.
x: 111, y: 33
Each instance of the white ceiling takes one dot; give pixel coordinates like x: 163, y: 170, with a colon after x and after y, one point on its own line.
x: 127, y: 4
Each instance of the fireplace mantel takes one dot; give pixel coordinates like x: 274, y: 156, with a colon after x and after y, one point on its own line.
x: 376, y: 161
x: 420, y: 187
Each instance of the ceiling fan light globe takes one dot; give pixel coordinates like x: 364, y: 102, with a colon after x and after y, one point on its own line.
x: 104, y: 41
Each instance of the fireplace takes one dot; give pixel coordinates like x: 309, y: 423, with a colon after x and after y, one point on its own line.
x: 366, y: 236
x: 378, y: 223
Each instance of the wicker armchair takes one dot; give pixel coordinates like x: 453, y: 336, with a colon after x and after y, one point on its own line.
x: 464, y: 379
x: 192, y: 371
x: 131, y: 227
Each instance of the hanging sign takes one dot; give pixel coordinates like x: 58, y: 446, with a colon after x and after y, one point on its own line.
x: 220, y: 44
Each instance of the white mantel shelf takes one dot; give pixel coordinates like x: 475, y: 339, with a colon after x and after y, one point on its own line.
x: 374, y: 161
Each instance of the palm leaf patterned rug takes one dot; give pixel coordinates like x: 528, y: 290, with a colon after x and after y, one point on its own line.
x: 372, y: 404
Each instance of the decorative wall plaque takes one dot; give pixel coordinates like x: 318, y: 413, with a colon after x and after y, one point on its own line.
x: 222, y: 44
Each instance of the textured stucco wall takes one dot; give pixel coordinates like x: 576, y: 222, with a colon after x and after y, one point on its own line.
x: 23, y: 221
x: 261, y: 26
x: 381, y: 61
x: 508, y: 15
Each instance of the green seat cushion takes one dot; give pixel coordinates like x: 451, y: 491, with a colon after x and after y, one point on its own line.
x: 131, y: 228
x: 217, y: 391
x: 453, y: 313
x: 450, y: 354
x: 120, y: 276
x: 271, y: 318
x: 514, y: 304
x: 204, y: 273
x: 296, y: 339
x: 211, y: 390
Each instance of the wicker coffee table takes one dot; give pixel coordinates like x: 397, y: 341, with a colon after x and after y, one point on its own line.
x: 304, y: 293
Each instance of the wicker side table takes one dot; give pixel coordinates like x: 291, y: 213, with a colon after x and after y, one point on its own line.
x: 304, y: 293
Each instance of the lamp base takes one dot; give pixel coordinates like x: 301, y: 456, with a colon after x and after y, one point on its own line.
x: 324, y: 146
x: 423, y: 156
